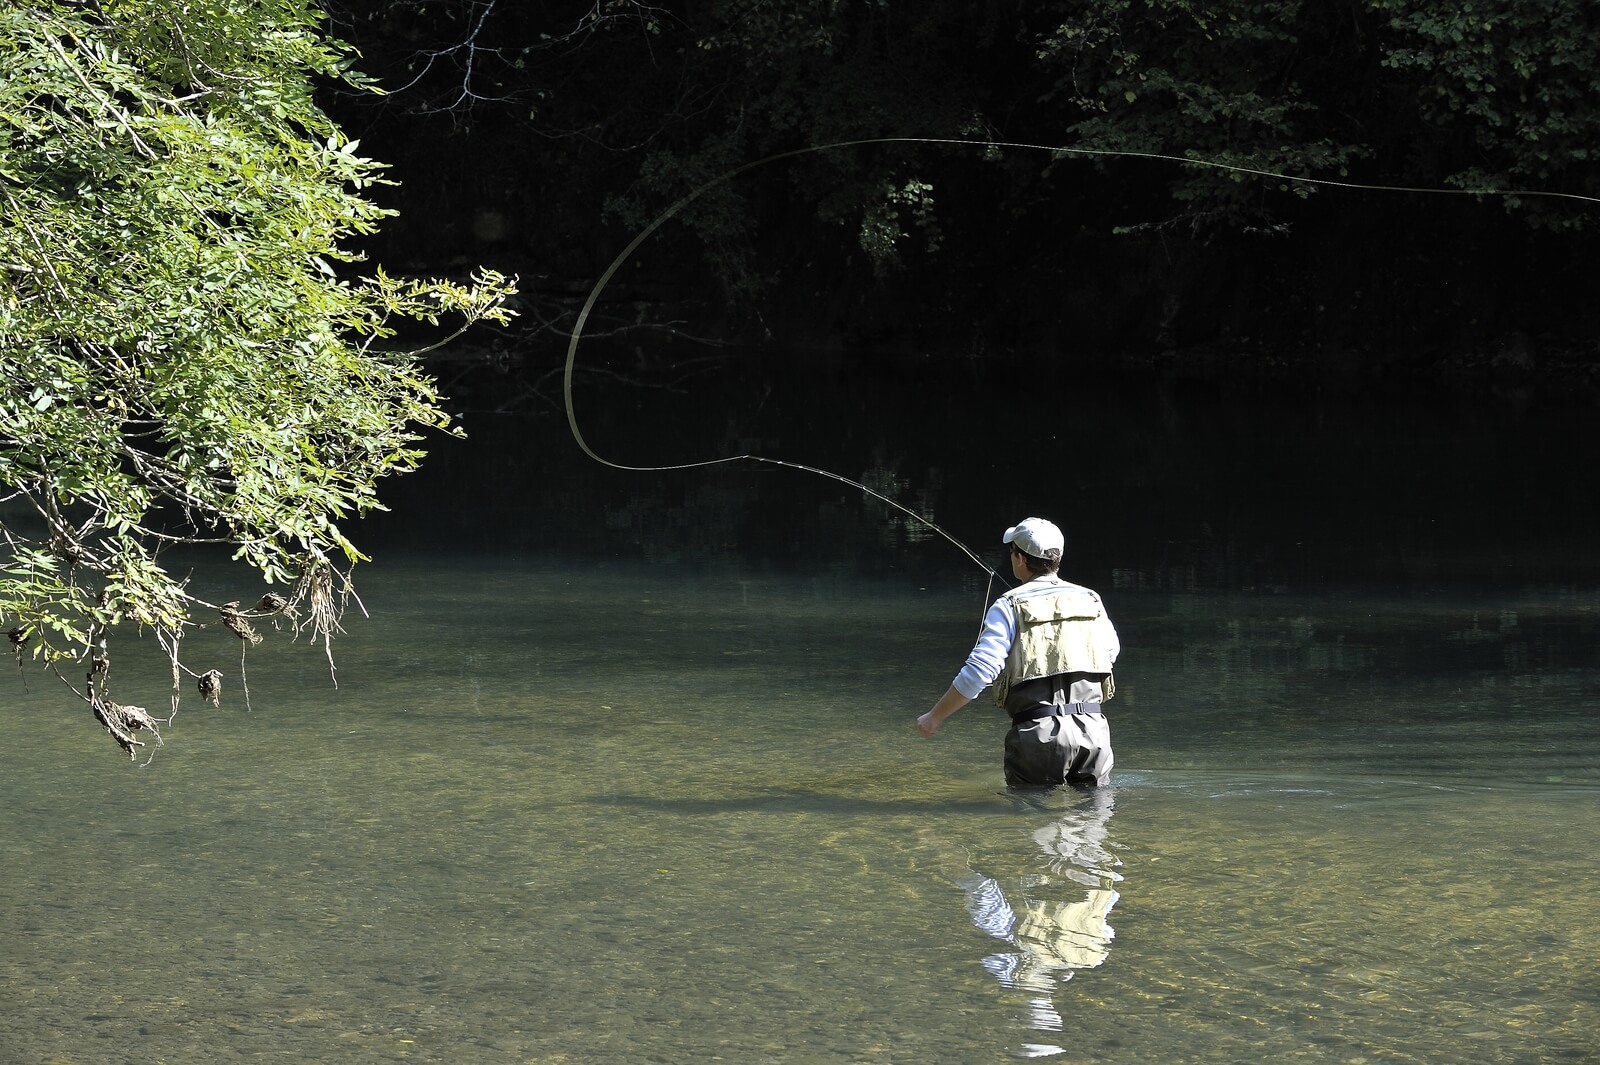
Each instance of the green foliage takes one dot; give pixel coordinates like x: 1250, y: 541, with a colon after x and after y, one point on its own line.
x: 720, y: 219
x: 882, y: 227
x: 1217, y: 81
x: 183, y: 357
x: 785, y: 76
x: 1510, y: 89
x: 614, y: 111
x: 1487, y: 95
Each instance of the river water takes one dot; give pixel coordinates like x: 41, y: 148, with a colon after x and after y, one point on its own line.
x: 621, y: 767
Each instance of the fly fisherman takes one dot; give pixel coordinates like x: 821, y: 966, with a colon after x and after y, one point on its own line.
x: 1048, y: 647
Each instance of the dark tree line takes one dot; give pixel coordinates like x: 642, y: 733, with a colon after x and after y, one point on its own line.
x: 542, y: 136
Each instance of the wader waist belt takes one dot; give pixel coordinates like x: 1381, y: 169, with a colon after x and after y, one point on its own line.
x: 1040, y: 712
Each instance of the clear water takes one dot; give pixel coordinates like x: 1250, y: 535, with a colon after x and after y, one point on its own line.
x: 570, y: 814
x: 622, y: 768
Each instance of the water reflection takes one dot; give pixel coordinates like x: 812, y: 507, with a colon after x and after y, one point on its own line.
x: 490, y: 845
x: 1053, y: 916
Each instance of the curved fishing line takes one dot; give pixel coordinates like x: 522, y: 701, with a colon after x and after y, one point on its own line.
x: 1236, y: 168
x: 661, y: 219
x: 605, y: 279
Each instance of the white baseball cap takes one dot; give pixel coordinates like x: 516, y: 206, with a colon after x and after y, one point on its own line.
x: 1035, y: 536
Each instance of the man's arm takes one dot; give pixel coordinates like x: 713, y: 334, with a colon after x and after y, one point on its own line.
x: 948, y: 703
x: 987, y: 659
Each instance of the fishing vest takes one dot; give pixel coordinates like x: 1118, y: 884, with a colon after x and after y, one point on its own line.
x: 1061, y: 628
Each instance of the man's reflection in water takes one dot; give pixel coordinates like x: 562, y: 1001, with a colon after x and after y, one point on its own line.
x: 1053, y: 920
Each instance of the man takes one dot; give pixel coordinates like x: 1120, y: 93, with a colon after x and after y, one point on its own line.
x: 1048, y: 646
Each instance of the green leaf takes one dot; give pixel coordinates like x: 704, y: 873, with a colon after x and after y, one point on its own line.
x: 182, y: 359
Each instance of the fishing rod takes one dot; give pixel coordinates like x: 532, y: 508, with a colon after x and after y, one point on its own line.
x: 664, y: 216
